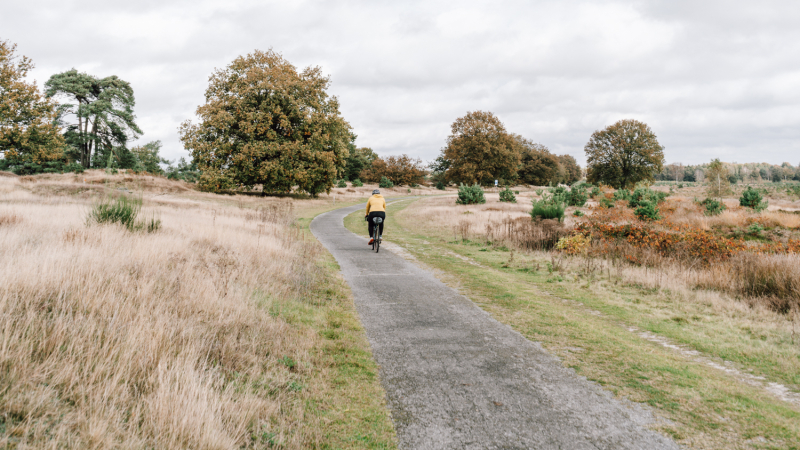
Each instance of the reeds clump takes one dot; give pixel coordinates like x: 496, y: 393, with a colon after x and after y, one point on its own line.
x: 125, y: 211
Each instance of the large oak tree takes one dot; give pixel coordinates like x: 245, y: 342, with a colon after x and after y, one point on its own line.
x: 28, y: 129
x: 538, y: 166
x: 480, y: 150
x: 266, y: 123
x: 401, y: 170
x: 623, y: 154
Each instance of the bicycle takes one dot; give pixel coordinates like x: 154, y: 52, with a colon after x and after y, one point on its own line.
x: 376, y: 241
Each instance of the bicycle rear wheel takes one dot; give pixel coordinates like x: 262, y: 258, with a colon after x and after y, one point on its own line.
x: 374, y: 237
x: 377, y: 240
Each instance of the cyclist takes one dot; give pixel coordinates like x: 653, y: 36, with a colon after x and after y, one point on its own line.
x: 376, y: 207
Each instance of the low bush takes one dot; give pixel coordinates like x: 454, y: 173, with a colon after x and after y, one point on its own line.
x: 341, y: 184
x: 646, y: 210
x: 28, y: 168
x: 440, y: 185
x: 527, y: 234
x: 506, y: 195
x: 386, y: 183
x: 124, y: 211
x: 577, y: 196
x: 713, y: 207
x: 470, y: 195
x: 751, y: 198
x: 357, y: 183
x: 578, y: 213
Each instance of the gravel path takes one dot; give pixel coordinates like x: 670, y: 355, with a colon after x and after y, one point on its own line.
x: 455, y: 378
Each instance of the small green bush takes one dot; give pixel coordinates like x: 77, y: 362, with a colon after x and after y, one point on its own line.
x: 470, y: 195
x: 538, y: 191
x: 646, y: 210
x: 516, y: 192
x: 596, y: 192
x: 713, y: 207
x: 606, y: 203
x: 751, y: 198
x: 577, y: 196
x: 386, y: 183
x: 622, y: 194
x: 440, y: 185
x: 341, y: 184
x: 125, y: 211
x: 578, y: 213
x: 506, y: 195
x: 755, y: 229
x: 357, y: 183
x: 545, y: 210
x: 552, y: 205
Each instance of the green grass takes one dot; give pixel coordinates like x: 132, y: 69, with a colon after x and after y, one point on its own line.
x: 352, y: 407
x: 584, y: 318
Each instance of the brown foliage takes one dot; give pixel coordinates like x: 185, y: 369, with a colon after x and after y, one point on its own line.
x: 525, y: 234
x: 623, y: 154
x: 572, y: 171
x: 27, y: 130
x: 538, y: 166
x: 401, y: 170
x: 480, y: 150
x: 266, y: 123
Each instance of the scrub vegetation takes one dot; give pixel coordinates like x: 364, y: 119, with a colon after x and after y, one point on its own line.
x: 227, y: 327
x: 695, y: 315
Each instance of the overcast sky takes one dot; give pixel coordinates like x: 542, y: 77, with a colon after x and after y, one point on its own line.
x: 711, y: 78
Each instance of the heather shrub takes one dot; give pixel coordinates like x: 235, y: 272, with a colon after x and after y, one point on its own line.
x: 440, y: 185
x: 341, y: 184
x: 357, y: 183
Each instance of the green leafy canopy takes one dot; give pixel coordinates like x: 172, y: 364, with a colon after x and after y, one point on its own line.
x: 264, y: 123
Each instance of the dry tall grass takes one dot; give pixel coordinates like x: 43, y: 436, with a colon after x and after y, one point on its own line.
x: 166, y: 340
x: 764, y: 280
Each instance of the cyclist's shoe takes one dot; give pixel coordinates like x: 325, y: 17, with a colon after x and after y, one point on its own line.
x: 371, y: 241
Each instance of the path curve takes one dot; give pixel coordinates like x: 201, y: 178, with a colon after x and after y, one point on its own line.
x: 455, y: 378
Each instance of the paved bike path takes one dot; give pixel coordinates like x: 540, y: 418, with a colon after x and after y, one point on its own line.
x: 455, y: 378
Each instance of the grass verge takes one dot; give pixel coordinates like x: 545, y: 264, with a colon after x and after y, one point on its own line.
x: 587, y: 319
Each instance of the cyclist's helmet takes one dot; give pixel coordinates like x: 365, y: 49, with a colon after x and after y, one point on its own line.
x: 376, y: 192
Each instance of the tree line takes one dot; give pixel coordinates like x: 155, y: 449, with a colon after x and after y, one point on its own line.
x: 481, y: 150
x: 80, y: 121
x: 733, y: 172
x: 267, y: 124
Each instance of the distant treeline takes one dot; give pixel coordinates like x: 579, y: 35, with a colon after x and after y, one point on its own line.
x: 736, y: 172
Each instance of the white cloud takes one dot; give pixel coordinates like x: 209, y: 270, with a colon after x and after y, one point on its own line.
x: 713, y: 79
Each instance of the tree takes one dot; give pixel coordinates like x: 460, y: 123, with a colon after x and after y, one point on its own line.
x: 537, y: 166
x: 104, y: 104
x: 572, y: 171
x: 480, y: 150
x: 400, y: 170
x: 28, y: 129
x: 357, y: 160
x: 623, y: 154
x: 148, y: 158
x: 717, y: 178
x: 266, y: 123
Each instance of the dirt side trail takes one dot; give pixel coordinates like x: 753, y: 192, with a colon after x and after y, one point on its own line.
x: 456, y: 378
